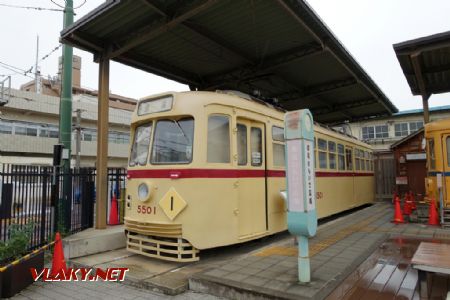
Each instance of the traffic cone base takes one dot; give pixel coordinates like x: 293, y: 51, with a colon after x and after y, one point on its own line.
x: 113, y: 216
x: 58, y: 262
x: 398, y: 215
x: 433, y: 218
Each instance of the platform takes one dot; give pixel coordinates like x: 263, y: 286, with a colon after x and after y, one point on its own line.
x: 266, y: 268
x: 93, y: 241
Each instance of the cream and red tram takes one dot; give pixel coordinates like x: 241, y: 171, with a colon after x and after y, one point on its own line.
x: 206, y: 170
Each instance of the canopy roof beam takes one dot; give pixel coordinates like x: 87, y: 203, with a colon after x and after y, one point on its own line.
x: 151, y: 31
x: 343, y: 107
x: 415, y: 60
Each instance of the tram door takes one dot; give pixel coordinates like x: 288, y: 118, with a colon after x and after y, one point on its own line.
x: 446, y: 168
x: 251, y: 184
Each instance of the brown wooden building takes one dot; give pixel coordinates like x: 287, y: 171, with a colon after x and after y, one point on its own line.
x: 410, y: 164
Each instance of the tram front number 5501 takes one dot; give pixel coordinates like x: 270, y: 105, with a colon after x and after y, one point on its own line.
x: 142, y: 209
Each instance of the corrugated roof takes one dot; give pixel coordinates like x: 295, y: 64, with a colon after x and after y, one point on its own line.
x: 420, y: 110
x: 432, y: 63
x: 277, y: 50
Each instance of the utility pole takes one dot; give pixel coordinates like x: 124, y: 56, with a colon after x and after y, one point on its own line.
x: 78, y: 139
x: 65, y: 119
x: 37, y: 73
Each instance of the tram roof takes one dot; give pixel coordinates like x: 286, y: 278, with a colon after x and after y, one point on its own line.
x: 426, y: 63
x: 276, y: 49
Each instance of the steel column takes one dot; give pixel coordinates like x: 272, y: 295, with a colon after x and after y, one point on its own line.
x: 102, y: 143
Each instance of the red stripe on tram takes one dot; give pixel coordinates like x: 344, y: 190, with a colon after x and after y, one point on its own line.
x: 224, y: 173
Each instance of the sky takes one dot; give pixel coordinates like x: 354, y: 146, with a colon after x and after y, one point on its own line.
x: 367, y: 28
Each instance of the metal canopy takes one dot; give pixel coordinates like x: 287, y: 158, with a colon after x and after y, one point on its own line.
x: 272, y: 49
x: 426, y: 63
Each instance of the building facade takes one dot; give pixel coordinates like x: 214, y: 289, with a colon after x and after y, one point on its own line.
x: 29, y: 129
x: 382, y: 133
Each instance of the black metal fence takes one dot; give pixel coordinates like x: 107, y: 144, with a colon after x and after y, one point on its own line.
x: 37, y: 195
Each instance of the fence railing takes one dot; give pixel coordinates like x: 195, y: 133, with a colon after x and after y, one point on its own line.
x: 36, y: 195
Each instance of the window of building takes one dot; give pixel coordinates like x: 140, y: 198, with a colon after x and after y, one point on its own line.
x: 172, y: 141
x: 242, y: 144
x: 341, y: 157
x: 6, y: 127
x: 278, y: 146
x: 332, y: 155
x: 322, y: 147
x: 414, y: 126
x: 20, y: 130
x: 381, y: 131
x: 401, y: 129
x: 349, y: 159
x: 218, y: 139
x: 141, y: 144
x: 368, y: 132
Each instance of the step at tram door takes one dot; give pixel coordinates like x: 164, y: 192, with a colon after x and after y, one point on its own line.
x: 251, y: 182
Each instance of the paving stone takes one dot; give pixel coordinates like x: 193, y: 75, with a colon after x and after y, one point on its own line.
x: 256, y: 280
x: 231, y: 267
x: 217, y: 273
x: 236, y: 276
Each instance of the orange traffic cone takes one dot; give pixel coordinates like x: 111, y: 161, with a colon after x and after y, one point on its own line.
x: 58, y: 262
x: 433, y: 218
x: 398, y: 215
x: 113, y: 216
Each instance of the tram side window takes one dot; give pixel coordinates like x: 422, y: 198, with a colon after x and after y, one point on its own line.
x: 332, y: 155
x: 322, y: 146
x: 432, y: 155
x: 256, y: 146
x: 349, y: 159
x: 366, y: 155
x: 218, y: 139
x: 278, y: 146
x: 172, y: 142
x: 141, y: 144
x: 448, y: 150
x: 242, y: 144
x: 341, y: 157
x: 357, y: 160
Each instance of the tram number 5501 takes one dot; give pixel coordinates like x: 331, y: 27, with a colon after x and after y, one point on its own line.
x: 142, y: 209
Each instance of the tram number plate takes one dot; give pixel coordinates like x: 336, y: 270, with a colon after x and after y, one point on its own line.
x: 142, y: 209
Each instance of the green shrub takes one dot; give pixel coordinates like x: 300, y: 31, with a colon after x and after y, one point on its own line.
x: 17, y: 245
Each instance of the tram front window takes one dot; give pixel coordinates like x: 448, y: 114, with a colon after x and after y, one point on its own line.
x: 139, y: 150
x: 172, y: 141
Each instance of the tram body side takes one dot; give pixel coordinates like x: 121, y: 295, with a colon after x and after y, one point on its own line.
x: 199, y: 204
x: 437, y: 139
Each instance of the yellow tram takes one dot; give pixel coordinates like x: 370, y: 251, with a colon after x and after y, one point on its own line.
x: 206, y: 170
x: 437, y: 137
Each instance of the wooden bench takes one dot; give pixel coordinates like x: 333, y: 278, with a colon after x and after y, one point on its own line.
x: 430, y: 258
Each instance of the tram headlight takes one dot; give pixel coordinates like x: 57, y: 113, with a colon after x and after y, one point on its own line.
x: 143, y: 192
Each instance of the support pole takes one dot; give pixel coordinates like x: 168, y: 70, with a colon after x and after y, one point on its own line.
x: 417, y: 67
x: 102, y: 143
x: 304, y: 270
x: 65, y: 121
x: 426, y: 110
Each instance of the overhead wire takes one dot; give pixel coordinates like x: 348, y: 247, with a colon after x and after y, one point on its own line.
x: 31, y: 7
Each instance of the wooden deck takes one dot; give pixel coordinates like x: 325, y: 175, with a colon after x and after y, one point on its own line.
x: 388, y: 274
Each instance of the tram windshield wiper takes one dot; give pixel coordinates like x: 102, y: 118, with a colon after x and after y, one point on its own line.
x: 182, y: 131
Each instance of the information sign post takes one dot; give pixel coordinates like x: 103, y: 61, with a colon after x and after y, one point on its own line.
x: 301, y: 217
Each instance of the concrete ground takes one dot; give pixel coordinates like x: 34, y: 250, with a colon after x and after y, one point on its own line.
x: 266, y: 268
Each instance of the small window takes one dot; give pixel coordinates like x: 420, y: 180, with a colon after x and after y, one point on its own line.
x: 218, y: 139
x: 381, y: 131
x: 432, y: 155
x: 367, y: 165
x: 278, y: 155
x: 401, y: 129
x: 19, y: 130
x: 349, y: 159
x: 139, y: 150
x: 278, y: 134
x: 242, y: 144
x: 368, y: 132
x: 322, y: 144
x: 5, y: 128
x: 448, y: 150
x: 414, y: 126
x: 341, y: 157
x: 256, y: 146
x: 332, y: 155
